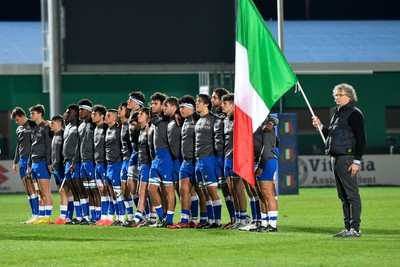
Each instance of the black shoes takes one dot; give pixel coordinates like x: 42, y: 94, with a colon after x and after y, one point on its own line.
x: 212, y: 226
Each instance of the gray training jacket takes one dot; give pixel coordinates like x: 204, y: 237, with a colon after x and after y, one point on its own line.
x: 264, y: 143
x: 174, y: 138
x: 125, y: 141
x: 143, y: 148
x: 160, y: 133
x: 23, y: 148
x: 205, y: 136
x: 113, y: 144
x: 134, y: 137
x: 86, y: 142
x: 188, y: 137
x: 41, y: 145
x: 219, y: 133
x: 56, y: 150
x: 228, y: 132
x: 99, y: 143
x: 71, y: 145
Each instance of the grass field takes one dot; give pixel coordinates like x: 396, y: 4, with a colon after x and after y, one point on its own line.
x: 306, y: 223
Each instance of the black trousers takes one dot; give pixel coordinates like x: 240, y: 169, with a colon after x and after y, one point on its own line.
x: 347, y: 188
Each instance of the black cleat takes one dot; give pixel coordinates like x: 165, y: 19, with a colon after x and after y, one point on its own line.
x: 128, y: 224
x: 202, y: 225
x: 75, y: 221
x: 84, y: 222
x: 147, y: 223
x: 261, y: 229
x: 272, y: 229
x: 117, y: 223
x: 165, y: 224
x: 212, y: 226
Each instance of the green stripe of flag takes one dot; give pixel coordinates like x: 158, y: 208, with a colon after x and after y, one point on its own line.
x: 270, y: 74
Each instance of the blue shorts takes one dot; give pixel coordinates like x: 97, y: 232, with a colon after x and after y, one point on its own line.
x: 39, y: 170
x: 113, y: 173
x: 23, y: 166
x: 161, y: 168
x: 187, y: 170
x: 124, y: 170
x: 87, y: 170
x: 101, y: 173
x: 205, y: 171
x: 175, y: 169
x: 229, y: 169
x: 75, y: 174
x: 269, y: 170
x: 59, y: 175
x: 219, y: 165
x: 144, y: 173
x: 133, y: 160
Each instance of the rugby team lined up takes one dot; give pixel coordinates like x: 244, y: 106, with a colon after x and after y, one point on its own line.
x: 106, y: 162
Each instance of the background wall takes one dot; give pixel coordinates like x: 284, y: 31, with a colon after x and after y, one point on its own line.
x: 376, y: 92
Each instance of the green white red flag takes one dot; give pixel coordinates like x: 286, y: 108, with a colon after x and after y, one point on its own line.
x: 262, y: 77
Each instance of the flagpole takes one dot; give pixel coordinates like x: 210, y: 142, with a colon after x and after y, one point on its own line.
x: 311, y: 110
x: 281, y: 44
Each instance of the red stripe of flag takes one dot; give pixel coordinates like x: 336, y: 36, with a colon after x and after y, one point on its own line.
x: 243, y: 162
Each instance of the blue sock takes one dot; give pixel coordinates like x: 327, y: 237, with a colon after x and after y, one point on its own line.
x: 160, y: 212
x: 210, y: 211
x: 41, y: 211
x: 253, y: 209
x: 194, y: 208
x: 48, y: 210
x: 121, y: 206
x: 98, y: 213
x: 217, y: 205
x: 185, y: 215
x: 92, y: 212
x: 63, y: 211
x: 170, y: 216
x: 231, y: 208
x: 85, y: 207
x: 78, y: 210
x: 112, y: 207
x: 115, y: 205
x: 31, y: 204
x: 203, y: 217
x: 35, y: 204
x: 138, y: 216
x: 70, y: 210
x: 104, y: 205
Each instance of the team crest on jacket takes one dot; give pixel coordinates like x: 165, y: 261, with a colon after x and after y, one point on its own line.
x: 208, y: 122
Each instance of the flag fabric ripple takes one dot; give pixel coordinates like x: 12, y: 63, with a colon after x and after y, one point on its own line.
x: 262, y: 77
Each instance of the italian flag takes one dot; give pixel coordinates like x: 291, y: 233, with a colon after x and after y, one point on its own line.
x: 288, y: 153
x: 262, y: 76
x: 287, y: 126
x: 289, y: 180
